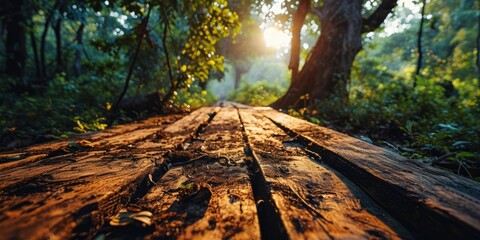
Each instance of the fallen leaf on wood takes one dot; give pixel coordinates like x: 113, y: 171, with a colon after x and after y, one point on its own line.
x: 86, y: 144
x: 124, y: 218
x: 194, y: 192
x: 150, y: 178
x: 82, y: 144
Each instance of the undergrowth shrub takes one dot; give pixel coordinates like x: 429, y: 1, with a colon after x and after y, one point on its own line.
x: 260, y: 93
x: 422, y: 122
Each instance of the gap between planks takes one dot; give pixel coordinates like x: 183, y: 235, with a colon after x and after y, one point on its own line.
x: 75, y: 197
x: 431, y: 203
x: 313, y: 200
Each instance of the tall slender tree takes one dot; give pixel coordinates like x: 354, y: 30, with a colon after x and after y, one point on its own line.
x: 478, y: 42
x: 419, y: 44
x: 77, y: 63
x: 298, y: 21
x: 57, y: 29
x: 43, y: 40
x: 248, y: 44
x: 14, y: 15
x: 33, y: 42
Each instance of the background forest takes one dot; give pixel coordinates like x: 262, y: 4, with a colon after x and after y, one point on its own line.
x: 79, y: 66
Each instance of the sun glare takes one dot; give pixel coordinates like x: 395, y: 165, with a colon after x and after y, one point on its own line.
x: 275, y: 38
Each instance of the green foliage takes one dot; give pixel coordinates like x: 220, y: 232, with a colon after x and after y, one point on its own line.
x: 257, y: 94
x: 64, y: 107
x: 194, y: 98
x: 430, y: 121
x: 77, y: 95
x: 436, y: 121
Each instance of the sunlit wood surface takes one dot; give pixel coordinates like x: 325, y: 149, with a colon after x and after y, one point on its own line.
x: 229, y: 171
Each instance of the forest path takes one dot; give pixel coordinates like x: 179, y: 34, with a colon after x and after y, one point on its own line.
x: 230, y: 171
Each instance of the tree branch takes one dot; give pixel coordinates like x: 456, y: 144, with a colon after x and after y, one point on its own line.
x: 43, y: 40
x: 298, y: 20
x: 376, y: 18
x: 173, y: 86
x: 478, y: 44
x: 318, y: 11
x: 141, y: 34
x: 419, y: 44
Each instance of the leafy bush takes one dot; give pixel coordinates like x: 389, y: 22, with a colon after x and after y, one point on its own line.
x: 194, y: 98
x: 426, y: 122
x: 57, y: 111
x: 65, y: 107
x: 257, y: 94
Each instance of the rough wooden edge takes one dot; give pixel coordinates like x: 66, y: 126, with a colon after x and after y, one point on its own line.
x: 343, y: 204
x: 430, y: 202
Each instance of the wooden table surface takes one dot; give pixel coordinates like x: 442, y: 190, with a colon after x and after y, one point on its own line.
x: 228, y: 172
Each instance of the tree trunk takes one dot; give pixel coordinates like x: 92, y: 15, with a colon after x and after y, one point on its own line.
x: 16, y: 51
x: 57, y: 29
x: 238, y: 77
x: 77, y: 64
x: 478, y: 44
x: 2, y: 33
x: 43, y: 41
x: 240, y: 67
x: 327, y: 70
x: 298, y: 20
x: 33, y: 41
x: 142, y: 31
x: 419, y: 44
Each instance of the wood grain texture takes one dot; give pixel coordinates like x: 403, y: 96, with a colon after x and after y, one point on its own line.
x: 231, y: 171
x: 111, y: 138
x: 72, y: 195
x: 313, y: 200
x: 217, y: 162
x: 431, y: 202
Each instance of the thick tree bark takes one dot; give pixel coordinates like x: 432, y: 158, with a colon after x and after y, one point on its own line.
x: 326, y: 71
x: 16, y: 51
x: 419, y: 44
x: 298, y: 20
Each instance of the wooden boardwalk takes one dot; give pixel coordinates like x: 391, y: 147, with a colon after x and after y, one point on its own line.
x: 229, y: 172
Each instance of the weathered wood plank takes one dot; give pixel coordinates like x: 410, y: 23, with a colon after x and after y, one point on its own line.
x: 41, y: 163
x: 70, y: 195
x: 313, y: 200
x: 431, y: 202
x: 22, y: 161
x: 259, y: 181
x: 216, y: 162
x: 51, y: 204
x: 120, y: 135
x: 185, y: 128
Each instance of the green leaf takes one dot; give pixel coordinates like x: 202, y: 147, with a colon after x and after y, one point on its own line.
x: 464, y: 155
